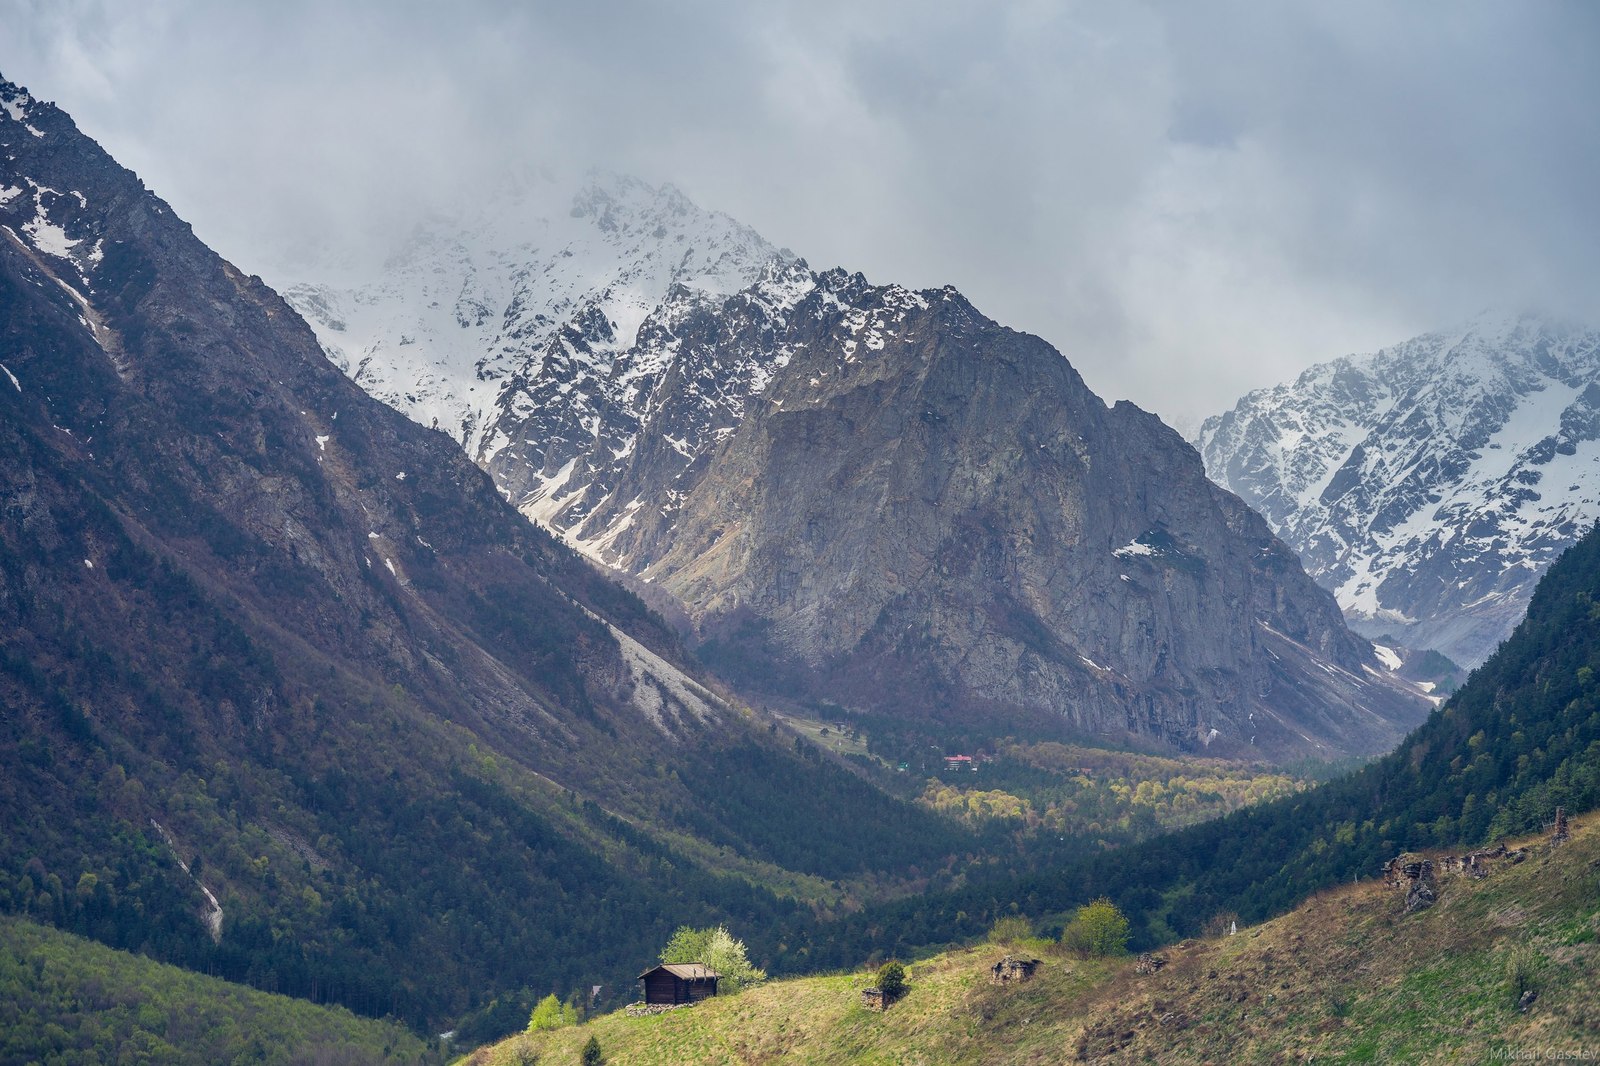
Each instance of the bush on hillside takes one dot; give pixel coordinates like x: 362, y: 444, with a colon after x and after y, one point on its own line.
x: 551, y: 1013
x: 720, y: 950
x: 1098, y: 929
x: 892, y: 980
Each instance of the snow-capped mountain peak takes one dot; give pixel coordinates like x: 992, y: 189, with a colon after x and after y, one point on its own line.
x: 474, y: 299
x: 1428, y: 484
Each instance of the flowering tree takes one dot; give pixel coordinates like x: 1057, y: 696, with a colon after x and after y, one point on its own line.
x: 718, y: 949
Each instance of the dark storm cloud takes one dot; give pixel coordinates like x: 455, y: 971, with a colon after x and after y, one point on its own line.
x: 1188, y: 199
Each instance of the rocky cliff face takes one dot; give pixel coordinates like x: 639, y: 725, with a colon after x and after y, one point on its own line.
x: 913, y: 507
x: 928, y: 512
x: 1429, y: 485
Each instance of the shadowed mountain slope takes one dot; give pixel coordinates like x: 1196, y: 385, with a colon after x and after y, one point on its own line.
x: 291, y: 695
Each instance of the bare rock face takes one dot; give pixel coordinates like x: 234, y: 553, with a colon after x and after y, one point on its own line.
x: 1422, y: 892
x: 925, y: 512
x: 883, y: 498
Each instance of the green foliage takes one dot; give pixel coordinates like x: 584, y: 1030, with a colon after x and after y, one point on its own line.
x: 1109, y: 797
x: 66, y: 999
x: 1521, y: 970
x: 892, y: 979
x: 1099, y: 928
x: 592, y: 1055
x: 1010, y: 929
x: 803, y: 811
x: 718, y: 949
x: 551, y: 1013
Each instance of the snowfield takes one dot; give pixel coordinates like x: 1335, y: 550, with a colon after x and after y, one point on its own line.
x: 1430, y: 484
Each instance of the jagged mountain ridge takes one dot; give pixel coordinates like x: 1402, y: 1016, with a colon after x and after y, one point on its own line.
x: 1429, y: 484
x: 482, y: 318
x: 613, y: 442
x: 934, y: 513
x: 273, y: 653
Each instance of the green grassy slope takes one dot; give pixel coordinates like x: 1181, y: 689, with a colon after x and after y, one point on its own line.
x: 1345, y: 977
x: 66, y: 999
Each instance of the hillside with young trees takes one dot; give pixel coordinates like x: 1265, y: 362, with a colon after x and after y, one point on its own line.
x: 1499, y: 965
x: 1520, y: 738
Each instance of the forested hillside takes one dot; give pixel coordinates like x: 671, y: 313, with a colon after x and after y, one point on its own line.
x: 66, y: 999
x: 290, y: 695
x: 1521, y: 737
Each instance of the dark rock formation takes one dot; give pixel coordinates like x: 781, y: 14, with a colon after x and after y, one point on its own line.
x: 1012, y: 968
x: 1149, y: 963
x: 1421, y: 890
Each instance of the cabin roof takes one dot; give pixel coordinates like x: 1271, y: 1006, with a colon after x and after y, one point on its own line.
x: 688, y: 971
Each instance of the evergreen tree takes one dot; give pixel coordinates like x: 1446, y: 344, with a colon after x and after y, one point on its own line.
x: 892, y: 980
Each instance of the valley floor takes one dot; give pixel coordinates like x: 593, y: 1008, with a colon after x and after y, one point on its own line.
x: 1347, y: 977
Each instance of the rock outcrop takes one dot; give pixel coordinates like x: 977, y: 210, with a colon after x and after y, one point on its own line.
x: 925, y: 512
x: 1421, y: 891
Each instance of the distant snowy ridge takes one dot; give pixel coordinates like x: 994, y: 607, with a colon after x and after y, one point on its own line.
x: 1430, y: 484
x: 473, y: 303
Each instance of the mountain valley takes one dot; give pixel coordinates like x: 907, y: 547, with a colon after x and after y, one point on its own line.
x: 296, y: 699
x: 432, y: 643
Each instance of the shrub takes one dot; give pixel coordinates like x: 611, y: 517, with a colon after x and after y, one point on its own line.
x: 591, y: 1053
x: 551, y: 1014
x: 1010, y: 929
x: 1520, y: 977
x: 892, y: 980
x: 1098, y: 929
x: 718, y: 949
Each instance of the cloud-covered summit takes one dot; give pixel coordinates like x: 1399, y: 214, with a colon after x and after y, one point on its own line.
x: 1190, y: 201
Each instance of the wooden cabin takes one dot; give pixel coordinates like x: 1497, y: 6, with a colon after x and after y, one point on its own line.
x: 679, y: 982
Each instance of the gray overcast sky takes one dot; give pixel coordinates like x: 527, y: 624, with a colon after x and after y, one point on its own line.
x: 1188, y: 199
